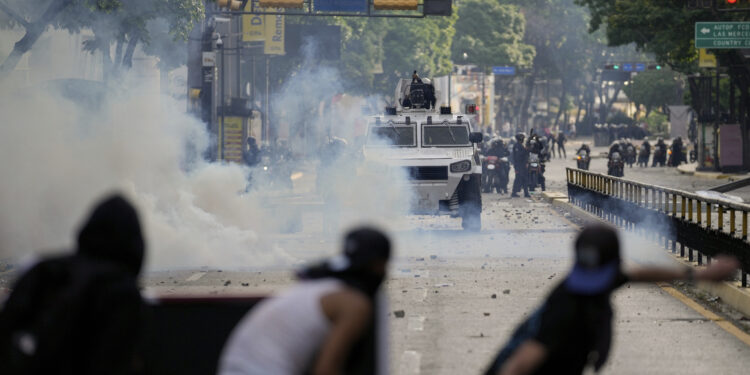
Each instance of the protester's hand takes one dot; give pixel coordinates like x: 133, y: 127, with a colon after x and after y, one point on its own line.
x: 721, y: 267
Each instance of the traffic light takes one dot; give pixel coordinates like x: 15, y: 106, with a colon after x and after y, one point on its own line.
x: 654, y: 67
x: 396, y: 4
x: 612, y: 66
x: 280, y: 3
x: 229, y: 4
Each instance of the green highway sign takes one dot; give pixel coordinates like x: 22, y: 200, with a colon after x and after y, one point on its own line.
x: 722, y: 35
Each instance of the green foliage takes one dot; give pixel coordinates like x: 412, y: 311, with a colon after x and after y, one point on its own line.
x: 658, y: 124
x: 662, y: 27
x: 620, y: 117
x: 490, y: 33
x: 120, y: 20
x: 421, y: 44
x: 654, y: 89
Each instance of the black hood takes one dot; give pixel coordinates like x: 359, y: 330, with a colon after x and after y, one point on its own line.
x: 113, y: 233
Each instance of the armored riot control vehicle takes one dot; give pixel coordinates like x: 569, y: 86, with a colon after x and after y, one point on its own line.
x: 435, y: 148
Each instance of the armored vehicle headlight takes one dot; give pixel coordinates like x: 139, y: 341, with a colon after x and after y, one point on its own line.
x: 461, y: 166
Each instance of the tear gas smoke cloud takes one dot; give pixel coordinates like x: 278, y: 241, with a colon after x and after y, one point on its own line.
x: 58, y: 157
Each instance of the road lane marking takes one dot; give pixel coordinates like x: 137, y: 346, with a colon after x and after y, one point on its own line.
x: 195, y: 276
x: 411, y: 361
x: 721, y: 322
x: 416, y: 323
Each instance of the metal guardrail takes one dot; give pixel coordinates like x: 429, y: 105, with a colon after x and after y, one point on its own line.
x: 672, y: 216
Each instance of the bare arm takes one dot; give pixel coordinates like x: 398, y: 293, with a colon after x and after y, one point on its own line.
x: 527, y: 358
x: 719, y: 270
x: 349, y: 313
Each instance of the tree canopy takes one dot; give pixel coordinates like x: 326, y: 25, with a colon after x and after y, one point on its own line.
x: 490, y: 33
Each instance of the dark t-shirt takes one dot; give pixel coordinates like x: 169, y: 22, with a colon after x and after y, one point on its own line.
x: 575, y: 329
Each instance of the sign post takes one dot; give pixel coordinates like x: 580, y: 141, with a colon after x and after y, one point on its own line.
x: 722, y: 35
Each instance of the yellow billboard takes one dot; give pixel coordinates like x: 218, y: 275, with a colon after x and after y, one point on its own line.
x: 274, y: 35
x: 252, y: 28
x: 233, y: 138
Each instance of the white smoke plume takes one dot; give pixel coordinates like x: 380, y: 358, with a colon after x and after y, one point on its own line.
x: 58, y: 157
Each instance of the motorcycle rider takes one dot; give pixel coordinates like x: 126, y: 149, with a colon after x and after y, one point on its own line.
x: 537, y: 146
x: 521, y: 165
x: 614, y: 149
x: 585, y: 147
x: 251, y: 154
x: 660, y: 152
x: 645, y: 153
x: 497, y: 148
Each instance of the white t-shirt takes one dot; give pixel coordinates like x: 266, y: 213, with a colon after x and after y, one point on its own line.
x: 281, y: 335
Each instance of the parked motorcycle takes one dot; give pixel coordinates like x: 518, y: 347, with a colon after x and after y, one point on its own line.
x: 616, y: 165
x: 583, y: 159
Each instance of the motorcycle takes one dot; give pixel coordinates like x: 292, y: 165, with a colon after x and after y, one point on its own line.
x: 616, y: 166
x: 630, y: 155
x: 583, y: 159
x: 535, y: 170
x: 496, y: 175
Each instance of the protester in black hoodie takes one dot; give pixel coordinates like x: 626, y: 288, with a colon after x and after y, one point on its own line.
x: 572, y: 329
x: 80, y: 313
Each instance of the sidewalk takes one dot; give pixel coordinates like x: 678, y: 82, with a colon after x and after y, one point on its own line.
x: 690, y: 170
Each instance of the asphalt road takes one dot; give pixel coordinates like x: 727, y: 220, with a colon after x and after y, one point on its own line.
x: 462, y: 294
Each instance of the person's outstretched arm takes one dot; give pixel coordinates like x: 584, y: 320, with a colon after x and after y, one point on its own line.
x: 721, y: 268
x: 350, y: 314
x: 527, y: 358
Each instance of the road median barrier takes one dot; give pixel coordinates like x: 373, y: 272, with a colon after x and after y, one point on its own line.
x: 691, y: 227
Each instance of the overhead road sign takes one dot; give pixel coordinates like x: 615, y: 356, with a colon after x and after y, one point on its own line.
x: 722, y: 35
x: 340, y: 5
x: 340, y: 8
x: 504, y: 70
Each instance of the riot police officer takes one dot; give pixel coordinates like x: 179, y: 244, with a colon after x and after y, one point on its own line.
x: 644, y: 154
x: 521, y: 165
x: 677, y: 154
x: 660, y: 153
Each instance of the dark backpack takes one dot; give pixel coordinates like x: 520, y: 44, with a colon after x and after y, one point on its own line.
x: 71, y: 315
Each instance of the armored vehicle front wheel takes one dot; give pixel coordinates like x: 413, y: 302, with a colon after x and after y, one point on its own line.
x: 470, y: 203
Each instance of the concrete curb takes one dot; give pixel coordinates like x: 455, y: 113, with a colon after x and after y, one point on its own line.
x: 730, y: 293
x: 689, y: 170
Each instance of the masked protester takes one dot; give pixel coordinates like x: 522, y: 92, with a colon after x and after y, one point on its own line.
x: 572, y: 329
x: 80, y: 313
x: 313, y: 326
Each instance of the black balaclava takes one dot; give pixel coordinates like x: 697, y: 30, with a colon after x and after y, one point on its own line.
x: 362, y: 248
x: 113, y: 233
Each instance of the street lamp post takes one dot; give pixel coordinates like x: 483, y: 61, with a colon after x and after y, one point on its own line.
x: 220, y: 46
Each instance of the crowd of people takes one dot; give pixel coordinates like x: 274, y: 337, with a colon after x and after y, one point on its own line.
x: 82, y: 313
